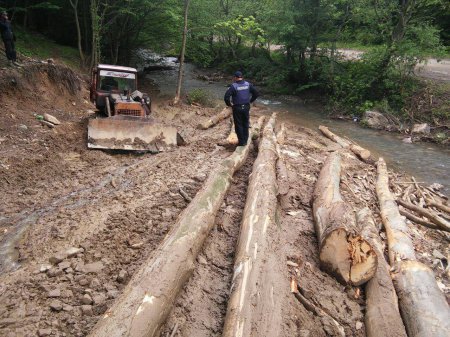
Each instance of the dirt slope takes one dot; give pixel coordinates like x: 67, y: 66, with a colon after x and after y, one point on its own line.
x: 116, y: 208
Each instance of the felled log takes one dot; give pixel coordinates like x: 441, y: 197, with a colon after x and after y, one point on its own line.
x: 225, y: 113
x: 281, y: 134
x: 252, y: 304
x: 343, y: 252
x: 382, y: 318
x: 441, y: 223
x: 148, y: 298
x: 423, y: 306
x: 232, y: 138
x: 361, y: 152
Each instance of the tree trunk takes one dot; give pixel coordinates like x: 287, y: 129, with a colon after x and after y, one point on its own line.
x: 225, y: 113
x: 359, y: 151
x: 183, y: 49
x: 74, y: 4
x: 382, y: 317
x: 343, y: 252
x: 252, y: 305
x: 147, y: 300
x: 423, y: 306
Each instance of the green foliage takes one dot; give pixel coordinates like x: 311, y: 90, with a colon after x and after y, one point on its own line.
x: 200, y: 96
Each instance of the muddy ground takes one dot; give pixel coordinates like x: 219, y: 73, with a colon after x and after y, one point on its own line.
x: 113, y: 209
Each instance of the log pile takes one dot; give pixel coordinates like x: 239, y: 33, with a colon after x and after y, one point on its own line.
x: 342, y: 251
x: 423, y: 306
x: 148, y: 298
x: 253, y: 281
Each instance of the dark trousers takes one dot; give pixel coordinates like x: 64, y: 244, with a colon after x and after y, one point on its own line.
x: 241, y: 116
x: 10, y: 50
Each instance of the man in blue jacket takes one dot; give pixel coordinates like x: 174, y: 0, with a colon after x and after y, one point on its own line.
x: 239, y: 96
x: 8, y: 38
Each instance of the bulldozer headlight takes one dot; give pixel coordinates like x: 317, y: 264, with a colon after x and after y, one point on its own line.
x: 147, y: 100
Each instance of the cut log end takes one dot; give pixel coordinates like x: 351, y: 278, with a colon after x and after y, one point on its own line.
x: 350, y: 258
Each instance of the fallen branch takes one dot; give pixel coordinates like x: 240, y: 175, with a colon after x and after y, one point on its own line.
x: 441, y: 223
x: 329, y: 324
x: 361, y: 152
x: 148, y: 298
x: 342, y: 251
x: 418, y: 220
x: 423, y: 306
x: 438, y: 205
x: 225, y: 113
x: 382, y: 314
x: 255, y: 263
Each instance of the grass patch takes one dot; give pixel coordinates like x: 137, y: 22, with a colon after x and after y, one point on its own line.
x: 38, y: 46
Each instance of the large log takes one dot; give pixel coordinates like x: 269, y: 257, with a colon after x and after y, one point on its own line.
x: 225, y: 113
x: 343, y: 252
x: 441, y: 223
x: 423, y: 306
x: 382, y: 318
x: 361, y: 152
x: 146, y: 301
x: 253, y: 304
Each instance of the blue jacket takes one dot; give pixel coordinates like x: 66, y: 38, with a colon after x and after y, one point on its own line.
x: 240, y: 92
x: 6, y: 30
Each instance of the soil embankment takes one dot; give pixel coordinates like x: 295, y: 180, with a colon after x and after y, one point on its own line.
x: 92, y: 217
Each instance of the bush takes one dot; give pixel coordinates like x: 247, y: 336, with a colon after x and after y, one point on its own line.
x: 200, y: 96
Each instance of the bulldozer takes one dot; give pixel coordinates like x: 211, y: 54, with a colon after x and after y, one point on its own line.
x: 126, y: 123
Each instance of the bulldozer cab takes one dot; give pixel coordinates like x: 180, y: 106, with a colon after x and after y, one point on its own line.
x: 110, y: 79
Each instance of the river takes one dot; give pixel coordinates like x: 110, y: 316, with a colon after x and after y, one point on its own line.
x: 427, y: 162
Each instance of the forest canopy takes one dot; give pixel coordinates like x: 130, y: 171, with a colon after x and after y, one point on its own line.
x: 290, y: 46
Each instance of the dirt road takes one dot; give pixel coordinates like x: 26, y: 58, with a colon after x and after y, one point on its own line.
x: 90, y: 218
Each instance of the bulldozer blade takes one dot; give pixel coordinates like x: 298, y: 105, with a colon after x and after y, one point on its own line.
x: 131, y: 133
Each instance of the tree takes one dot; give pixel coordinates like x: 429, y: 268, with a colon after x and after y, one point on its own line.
x: 183, y: 49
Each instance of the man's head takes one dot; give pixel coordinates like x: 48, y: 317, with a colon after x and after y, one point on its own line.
x: 238, y: 76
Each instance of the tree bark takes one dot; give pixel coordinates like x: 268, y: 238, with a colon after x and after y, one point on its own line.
x: 146, y: 301
x: 183, y: 49
x: 361, y: 152
x: 423, y: 306
x: 252, y: 305
x: 382, y: 317
x: 343, y: 252
x: 225, y: 113
x: 441, y: 223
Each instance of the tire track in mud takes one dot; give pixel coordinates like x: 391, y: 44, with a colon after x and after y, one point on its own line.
x: 201, y: 306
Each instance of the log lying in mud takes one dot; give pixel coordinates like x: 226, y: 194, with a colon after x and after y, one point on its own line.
x: 343, y: 252
x: 423, y: 306
x: 232, y: 138
x: 148, y: 298
x: 252, y: 304
x: 382, y: 318
x: 361, y: 152
x: 225, y: 113
x: 441, y: 223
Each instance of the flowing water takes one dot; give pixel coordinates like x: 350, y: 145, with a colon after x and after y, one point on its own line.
x: 427, y: 162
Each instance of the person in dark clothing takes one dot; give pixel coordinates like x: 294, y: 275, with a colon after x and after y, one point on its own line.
x: 239, y: 96
x: 8, y: 39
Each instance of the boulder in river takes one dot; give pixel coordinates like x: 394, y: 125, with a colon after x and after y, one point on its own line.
x: 423, y: 129
x: 375, y: 120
